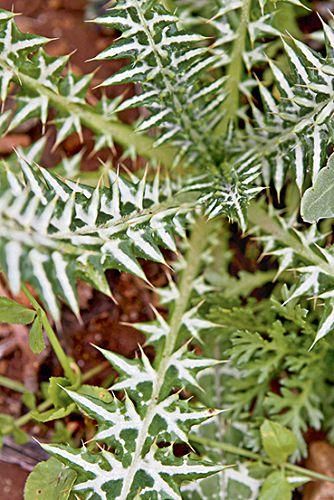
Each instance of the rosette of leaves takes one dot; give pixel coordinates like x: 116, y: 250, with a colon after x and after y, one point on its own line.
x: 184, y: 104
x: 187, y: 103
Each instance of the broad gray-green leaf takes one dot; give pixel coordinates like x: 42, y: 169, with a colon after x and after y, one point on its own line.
x: 12, y: 312
x: 278, y: 441
x: 50, y: 480
x: 318, y: 200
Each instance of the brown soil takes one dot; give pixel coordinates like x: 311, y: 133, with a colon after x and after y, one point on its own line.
x: 12, y: 480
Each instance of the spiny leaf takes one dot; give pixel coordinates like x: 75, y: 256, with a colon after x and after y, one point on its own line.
x: 180, y: 104
x: 54, y: 231
x: 147, y: 413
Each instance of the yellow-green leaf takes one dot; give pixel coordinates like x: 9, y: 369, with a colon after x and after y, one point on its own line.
x: 12, y: 312
x: 278, y: 441
x: 275, y: 487
x: 36, y: 339
x: 51, y: 480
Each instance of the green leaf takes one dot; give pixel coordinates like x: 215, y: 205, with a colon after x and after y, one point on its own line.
x: 51, y: 480
x: 14, y: 385
x: 276, y: 487
x: 96, y: 392
x: 9, y: 428
x: 62, y: 433
x: 318, y: 201
x: 53, y: 414
x: 20, y: 437
x: 12, y: 312
x: 6, y: 424
x: 278, y: 442
x: 62, y: 403
x: 29, y: 400
x: 56, y: 392
x: 36, y: 339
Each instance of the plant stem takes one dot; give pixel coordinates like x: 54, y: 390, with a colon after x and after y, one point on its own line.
x: 27, y: 417
x: 48, y: 403
x: 235, y: 70
x: 234, y: 450
x: 56, y: 346
x: 95, y: 371
x: 260, y: 218
x: 58, y: 350
x: 14, y: 385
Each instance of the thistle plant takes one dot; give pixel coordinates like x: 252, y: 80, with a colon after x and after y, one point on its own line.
x: 152, y: 411
x: 231, y: 108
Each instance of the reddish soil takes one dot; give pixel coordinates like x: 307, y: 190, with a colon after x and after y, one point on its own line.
x: 12, y: 480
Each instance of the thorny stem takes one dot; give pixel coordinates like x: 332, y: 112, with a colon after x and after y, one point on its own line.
x: 56, y: 346
x: 235, y: 70
x: 197, y: 244
x: 234, y: 450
